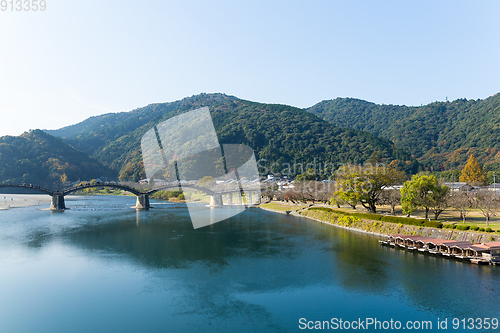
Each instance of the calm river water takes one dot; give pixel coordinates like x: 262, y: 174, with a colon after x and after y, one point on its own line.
x: 103, y: 267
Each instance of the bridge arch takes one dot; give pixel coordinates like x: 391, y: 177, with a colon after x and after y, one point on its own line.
x: 194, y: 187
x: 121, y: 187
x: 28, y: 186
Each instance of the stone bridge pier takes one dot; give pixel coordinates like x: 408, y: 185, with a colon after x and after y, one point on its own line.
x: 142, y: 202
x: 216, y: 200
x: 57, y: 202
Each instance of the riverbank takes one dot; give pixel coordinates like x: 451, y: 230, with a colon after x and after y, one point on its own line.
x: 8, y: 201
x: 382, y: 229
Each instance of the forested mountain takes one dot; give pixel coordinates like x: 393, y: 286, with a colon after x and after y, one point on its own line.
x: 440, y: 135
x: 277, y: 133
x: 38, y: 158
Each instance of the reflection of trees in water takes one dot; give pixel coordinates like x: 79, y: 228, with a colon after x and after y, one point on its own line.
x: 359, y: 264
x: 169, y: 240
x: 255, y: 252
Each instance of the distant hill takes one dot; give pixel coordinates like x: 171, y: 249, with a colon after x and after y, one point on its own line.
x: 39, y: 158
x: 440, y: 135
x: 277, y: 133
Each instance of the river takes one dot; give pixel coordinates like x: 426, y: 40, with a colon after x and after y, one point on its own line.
x: 104, y: 267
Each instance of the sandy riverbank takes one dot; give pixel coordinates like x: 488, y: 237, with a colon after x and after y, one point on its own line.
x: 22, y: 200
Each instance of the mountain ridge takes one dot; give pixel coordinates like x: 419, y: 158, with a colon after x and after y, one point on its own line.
x: 278, y: 133
x: 441, y: 135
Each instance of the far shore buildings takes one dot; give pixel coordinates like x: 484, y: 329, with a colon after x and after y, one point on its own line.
x: 459, y: 186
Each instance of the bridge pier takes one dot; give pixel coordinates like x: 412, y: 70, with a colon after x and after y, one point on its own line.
x: 216, y: 200
x: 57, y: 202
x: 142, y: 202
x: 230, y: 198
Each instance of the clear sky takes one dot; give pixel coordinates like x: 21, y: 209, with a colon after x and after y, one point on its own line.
x: 82, y: 58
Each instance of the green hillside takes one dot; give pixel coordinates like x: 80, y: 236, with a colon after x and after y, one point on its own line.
x: 277, y: 133
x: 38, y: 158
x: 440, y: 135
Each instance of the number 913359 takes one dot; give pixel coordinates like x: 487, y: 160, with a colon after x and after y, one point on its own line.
x: 475, y: 323
x: 23, y: 5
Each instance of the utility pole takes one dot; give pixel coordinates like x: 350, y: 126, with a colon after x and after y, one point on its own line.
x: 494, y: 184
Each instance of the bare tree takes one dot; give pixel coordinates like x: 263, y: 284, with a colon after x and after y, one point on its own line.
x: 462, y: 201
x: 269, y: 193
x: 391, y: 197
x: 488, y: 204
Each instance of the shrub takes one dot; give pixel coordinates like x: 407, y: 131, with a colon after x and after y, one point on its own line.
x: 368, y: 216
x: 481, y: 229
x: 323, y: 209
x: 181, y: 196
x: 403, y: 220
x: 433, y: 224
x: 462, y: 227
x: 175, y: 193
x: 474, y: 228
x: 488, y: 229
x: 377, y: 217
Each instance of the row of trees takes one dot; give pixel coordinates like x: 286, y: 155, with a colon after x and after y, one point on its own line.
x: 369, y: 186
x: 373, y: 185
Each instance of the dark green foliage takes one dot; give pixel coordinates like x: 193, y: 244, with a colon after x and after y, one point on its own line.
x: 474, y: 228
x: 278, y: 134
x: 441, y: 134
x: 403, y: 220
x: 462, y: 227
x: 488, y: 229
x: 369, y: 216
x: 481, y: 229
x: 165, y: 195
x: 324, y: 209
x: 433, y: 224
x: 38, y: 158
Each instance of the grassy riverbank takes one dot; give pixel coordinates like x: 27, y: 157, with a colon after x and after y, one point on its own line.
x: 364, y: 223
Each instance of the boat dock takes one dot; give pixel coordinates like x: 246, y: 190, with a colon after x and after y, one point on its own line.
x: 478, y: 253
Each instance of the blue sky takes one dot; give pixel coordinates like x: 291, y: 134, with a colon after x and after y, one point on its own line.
x: 83, y: 58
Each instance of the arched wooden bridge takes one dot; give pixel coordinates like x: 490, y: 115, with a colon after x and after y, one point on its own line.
x: 142, y: 197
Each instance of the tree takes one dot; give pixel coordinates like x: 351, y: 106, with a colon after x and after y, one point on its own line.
x: 424, y: 191
x: 462, y: 201
x: 335, y: 200
x: 440, y: 200
x: 473, y: 173
x: 207, y: 181
x: 488, y: 205
x: 364, y: 184
x: 310, y: 174
x: 63, y: 178
x: 391, y: 197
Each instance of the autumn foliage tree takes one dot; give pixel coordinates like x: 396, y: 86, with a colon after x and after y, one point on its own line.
x: 473, y: 173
